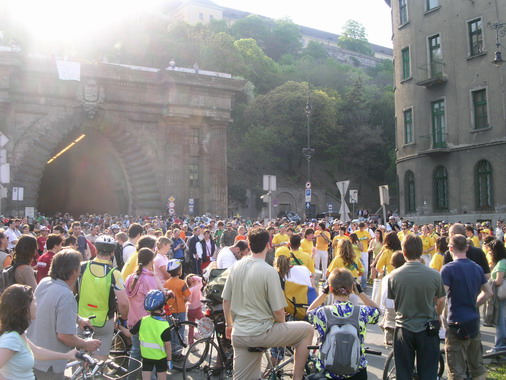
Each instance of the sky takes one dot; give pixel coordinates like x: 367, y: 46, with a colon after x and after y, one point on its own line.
x: 327, y: 15
x: 74, y: 19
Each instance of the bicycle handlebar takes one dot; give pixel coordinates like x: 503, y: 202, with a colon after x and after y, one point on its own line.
x: 85, y: 357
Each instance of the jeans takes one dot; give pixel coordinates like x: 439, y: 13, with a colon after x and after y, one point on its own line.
x: 174, y: 340
x: 365, y: 262
x: 135, y: 352
x: 500, y: 327
x: 407, y: 346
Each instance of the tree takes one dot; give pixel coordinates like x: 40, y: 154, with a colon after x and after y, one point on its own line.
x: 354, y: 38
x: 255, y: 27
x: 284, y: 38
x: 316, y: 50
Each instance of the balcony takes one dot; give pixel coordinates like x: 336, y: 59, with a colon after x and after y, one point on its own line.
x: 432, y: 74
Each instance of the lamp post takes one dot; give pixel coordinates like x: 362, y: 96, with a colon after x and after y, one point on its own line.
x: 308, y: 152
x: 500, y: 31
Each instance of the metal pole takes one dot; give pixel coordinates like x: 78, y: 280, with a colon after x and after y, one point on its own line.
x: 270, y: 206
x: 384, y: 214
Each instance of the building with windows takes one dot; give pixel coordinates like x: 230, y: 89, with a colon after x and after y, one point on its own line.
x: 205, y: 11
x: 450, y: 109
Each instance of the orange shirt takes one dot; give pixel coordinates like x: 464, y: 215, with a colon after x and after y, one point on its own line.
x: 181, y: 291
x: 240, y: 237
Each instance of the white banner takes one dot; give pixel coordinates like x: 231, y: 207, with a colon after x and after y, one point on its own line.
x: 68, y: 70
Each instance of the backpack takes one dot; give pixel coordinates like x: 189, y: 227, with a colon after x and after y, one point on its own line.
x: 7, y: 277
x: 340, y: 352
x: 215, y: 285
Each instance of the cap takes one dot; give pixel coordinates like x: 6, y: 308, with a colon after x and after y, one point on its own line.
x: 485, y: 230
x: 173, y: 264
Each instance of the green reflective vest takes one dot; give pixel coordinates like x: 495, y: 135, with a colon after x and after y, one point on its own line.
x: 150, y: 336
x: 94, y: 295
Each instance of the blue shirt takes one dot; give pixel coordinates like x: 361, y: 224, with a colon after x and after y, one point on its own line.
x: 179, y: 253
x: 464, y: 279
x: 20, y: 365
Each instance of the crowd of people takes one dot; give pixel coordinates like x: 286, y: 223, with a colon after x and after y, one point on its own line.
x: 428, y: 282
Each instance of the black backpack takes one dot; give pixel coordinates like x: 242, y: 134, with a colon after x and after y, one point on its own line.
x: 215, y: 285
x: 7, y: 277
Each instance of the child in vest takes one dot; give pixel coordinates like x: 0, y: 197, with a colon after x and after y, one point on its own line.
x: 154, y: 336
x: 194, y: 306
x: 177, y: 305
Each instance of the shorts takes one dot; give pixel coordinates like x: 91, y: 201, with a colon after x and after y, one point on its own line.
x: 462, y: 351
x: 247, y: 364
x: 149, y: 364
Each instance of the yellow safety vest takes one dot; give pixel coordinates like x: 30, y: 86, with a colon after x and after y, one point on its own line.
x: 152, y: 345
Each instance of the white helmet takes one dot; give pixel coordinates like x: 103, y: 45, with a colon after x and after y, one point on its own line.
x: 105, y: 244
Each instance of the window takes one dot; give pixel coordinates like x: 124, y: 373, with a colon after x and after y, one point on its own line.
x: 409, y: 191
x: 406, y: 66
x: 480, y: 109
x: 201, y: 16
x: 435, y: 56
x: 194, y: 136
x: 403, y: 12
x: 483, y: 178
x: 408, y: 126
x: 194, y: 175
x: 211, y: 17
x: 475, y: 37
x: 438, y: 124
x: 431, y: 4
x: 440, y: 186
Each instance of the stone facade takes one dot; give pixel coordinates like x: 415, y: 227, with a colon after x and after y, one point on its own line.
x: 450, y: 110
x: 158, y: 122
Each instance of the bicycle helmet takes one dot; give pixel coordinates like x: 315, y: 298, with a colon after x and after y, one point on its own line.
x: 105, y: 243
x: 154, y: 300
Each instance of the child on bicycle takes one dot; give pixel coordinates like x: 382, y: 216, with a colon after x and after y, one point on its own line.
x: 342, y: 285
x: 177, y: 305
x: 154, y: 336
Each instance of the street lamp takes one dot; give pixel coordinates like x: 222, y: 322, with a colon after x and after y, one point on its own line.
x: 500, y: 31
x: 308, y: 152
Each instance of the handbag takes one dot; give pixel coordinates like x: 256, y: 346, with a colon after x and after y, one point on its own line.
x: 501, y: 291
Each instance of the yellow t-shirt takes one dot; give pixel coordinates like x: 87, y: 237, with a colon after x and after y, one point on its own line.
x: 306, y: 259
x: 476, y: 241
x: 322, y: 243
x: 280, y: 238
x: 338, y: 262
x: 384, y: 261
x: 402, y: 234
x: 336, y: 239
x: 306, y: 246
x: 363, y: 238
x: 437, y: 261
x: 429, y: 245
x: 130, y: 266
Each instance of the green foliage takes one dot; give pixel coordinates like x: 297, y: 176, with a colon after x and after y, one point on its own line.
x: 354, y: 38
x: 316, y: 50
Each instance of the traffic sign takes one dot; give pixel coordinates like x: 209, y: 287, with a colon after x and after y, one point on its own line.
x: 308, y: 195
x: 275, y: 202
x: 353, y: 196
x: 308, y: 185
x: 171, y: 199
x: 171, y: 204
x: 330, y: 207
x: 171, y: 211
x: 191, y: 201
x: 343, y: 186
x: 308, y: 205
x: 3, y: 140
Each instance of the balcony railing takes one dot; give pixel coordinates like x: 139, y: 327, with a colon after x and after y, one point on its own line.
x: 432, y: 74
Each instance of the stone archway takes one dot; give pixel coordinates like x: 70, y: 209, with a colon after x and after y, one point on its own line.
x: 135, y: 158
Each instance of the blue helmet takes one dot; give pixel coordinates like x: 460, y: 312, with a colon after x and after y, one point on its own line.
x: 154, y: 300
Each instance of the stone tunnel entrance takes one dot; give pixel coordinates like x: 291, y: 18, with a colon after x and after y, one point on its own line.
x: 86, y: 178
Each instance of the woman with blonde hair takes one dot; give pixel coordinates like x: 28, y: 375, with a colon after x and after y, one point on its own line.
x: 346, y: 257
x: 161, y: 260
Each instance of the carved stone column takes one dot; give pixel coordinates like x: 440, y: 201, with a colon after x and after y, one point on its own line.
x: 218, y: 186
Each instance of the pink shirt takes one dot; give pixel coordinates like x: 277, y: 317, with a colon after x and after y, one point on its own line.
x: 160, y: 264
x: 196, y: 295
x: 145, y: 283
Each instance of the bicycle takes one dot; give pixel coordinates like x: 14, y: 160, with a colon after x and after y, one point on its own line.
x: 389, y: 367
x: 211, y: 359
x: 88, y: 368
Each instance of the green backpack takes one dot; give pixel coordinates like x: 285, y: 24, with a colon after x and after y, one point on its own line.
x: 215, y: 285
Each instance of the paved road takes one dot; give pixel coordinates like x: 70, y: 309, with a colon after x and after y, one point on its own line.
x: 374, y: 340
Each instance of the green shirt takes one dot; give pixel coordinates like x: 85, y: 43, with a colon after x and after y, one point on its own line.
x: 499, y: 267
x: 413, y: 288
x: 254, y: 291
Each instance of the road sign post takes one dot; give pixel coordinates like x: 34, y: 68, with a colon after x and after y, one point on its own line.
x: 344, y: 210
x: 269, y: 185
x: 384, y: 200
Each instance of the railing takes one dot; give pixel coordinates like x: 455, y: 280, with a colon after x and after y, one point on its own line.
x: 432, y: 74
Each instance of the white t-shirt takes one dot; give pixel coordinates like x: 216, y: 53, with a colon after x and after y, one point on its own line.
x: 128, y: 249
x: 226, y: 258
x: 160, y: 266
x: 299, y: 274
x: 12, y: 236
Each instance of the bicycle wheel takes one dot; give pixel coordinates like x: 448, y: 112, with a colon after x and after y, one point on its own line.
x: 196, y: 353
x: 211, y: 366
x: 119, y: 350
x: 182, y: 339
x: 389, y: 368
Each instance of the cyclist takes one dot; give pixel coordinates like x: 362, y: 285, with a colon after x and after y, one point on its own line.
x: 101, y: 289
x: 154, y: 336
x: 342, y: 284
